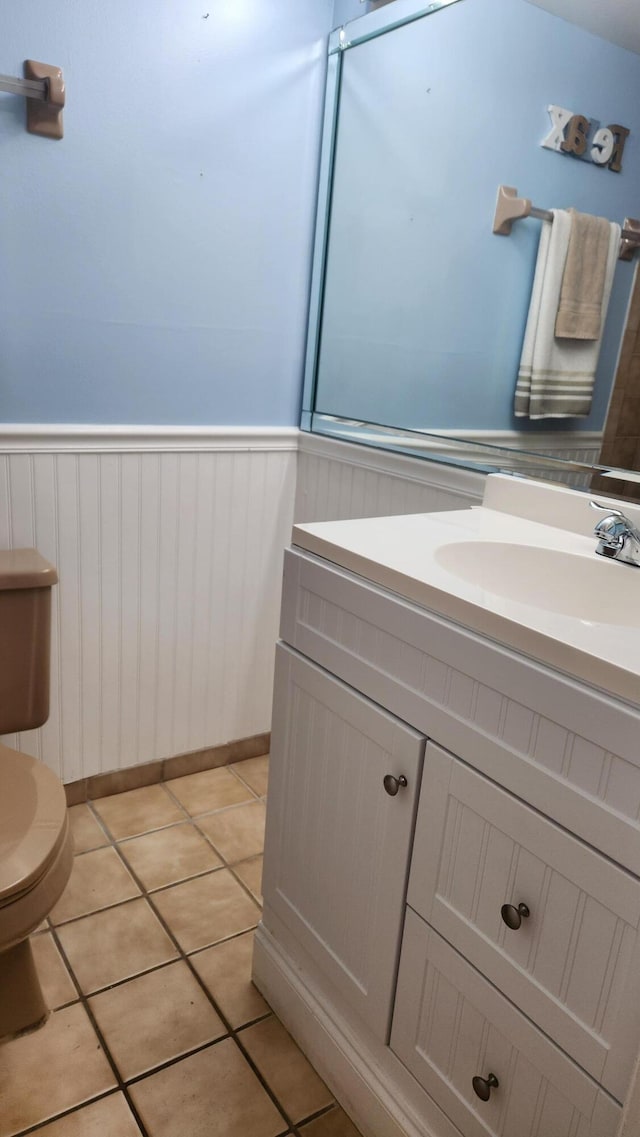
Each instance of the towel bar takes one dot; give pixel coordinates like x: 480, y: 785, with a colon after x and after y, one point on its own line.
x: 510, y: 208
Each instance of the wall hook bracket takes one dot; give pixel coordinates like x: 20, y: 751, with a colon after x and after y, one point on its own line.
x: 627, y: 245
x: 43, y: 88
x: 45, y: 116
x: 509, y: 208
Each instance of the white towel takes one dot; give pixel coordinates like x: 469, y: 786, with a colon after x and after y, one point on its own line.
x: 556, y: 376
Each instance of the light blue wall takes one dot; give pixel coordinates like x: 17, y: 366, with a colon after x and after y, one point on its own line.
x: 424, y: 307
x: 154, y: 264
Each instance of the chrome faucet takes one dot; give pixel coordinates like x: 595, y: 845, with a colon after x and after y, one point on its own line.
x: 618, y: 537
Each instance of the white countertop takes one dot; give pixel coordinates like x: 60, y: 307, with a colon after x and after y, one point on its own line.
x: 404, y: 554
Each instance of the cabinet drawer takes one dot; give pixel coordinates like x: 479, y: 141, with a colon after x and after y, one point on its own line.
x: 451, y: 1025
x: 573, y: 965
x: 337, y: 845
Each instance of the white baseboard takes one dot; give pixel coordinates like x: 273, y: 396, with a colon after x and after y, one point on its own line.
x: 364, y: 1083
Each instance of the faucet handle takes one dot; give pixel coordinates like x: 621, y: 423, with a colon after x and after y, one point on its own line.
x: 607, y: 509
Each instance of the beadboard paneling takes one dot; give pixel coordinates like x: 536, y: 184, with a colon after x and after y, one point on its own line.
x: 169, y: 557
x: 337, y: 480
x: 169, y: 545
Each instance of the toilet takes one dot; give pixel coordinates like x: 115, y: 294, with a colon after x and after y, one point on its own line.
x: 36, y: 849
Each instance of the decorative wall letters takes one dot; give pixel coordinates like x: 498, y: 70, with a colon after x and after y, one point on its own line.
x: 584, y: 138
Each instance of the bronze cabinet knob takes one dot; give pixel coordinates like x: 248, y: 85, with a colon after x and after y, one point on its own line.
x: 392, y: 785
x: 483, y: 1086
x: 513, y: 916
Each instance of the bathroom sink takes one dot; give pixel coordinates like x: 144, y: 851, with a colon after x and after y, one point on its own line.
x: 521, y: 569
x: 586, y: 588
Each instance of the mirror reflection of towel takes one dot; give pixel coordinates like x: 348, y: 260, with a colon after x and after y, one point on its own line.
x: 556, y: 376
x: 583, y: 281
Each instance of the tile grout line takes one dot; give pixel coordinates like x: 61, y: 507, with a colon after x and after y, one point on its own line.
x: 187, y: 817
x: 115, y: 843
x: 194, y: 819
x: 231, y: 1031
x: 242, y: 884
x: 226, y: 863
x: 193, y: 822
x: 96, y: 817
x: 230, y: 866
x: 243, y: 781
x: 160, y: 966
x: 300, y: 1127
x: 67, y: 1112
x: 121, y: 1085
x: 84, y: 1001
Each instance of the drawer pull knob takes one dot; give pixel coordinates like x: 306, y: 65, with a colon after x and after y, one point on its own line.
x: 392, y: 785
x: 483, y: 1086
x: 513, y: 916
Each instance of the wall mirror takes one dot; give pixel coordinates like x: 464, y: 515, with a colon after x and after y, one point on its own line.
x: 417, y: 309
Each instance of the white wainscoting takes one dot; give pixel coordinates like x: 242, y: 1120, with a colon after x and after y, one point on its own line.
x: 169, y: 547
x: 338, y: 480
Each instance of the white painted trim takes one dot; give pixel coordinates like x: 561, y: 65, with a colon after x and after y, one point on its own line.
x: 372, y: 1096
x: 91, y: 437
x: 561, y: 444
x: 453, y: 479
x: 54, y: 438
x: 538, y: 442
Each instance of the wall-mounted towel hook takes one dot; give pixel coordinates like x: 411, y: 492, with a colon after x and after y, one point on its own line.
x: 45, y: 117
x: 43, y: 88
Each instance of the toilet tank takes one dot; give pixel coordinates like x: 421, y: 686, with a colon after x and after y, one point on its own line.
x: 25, y: 638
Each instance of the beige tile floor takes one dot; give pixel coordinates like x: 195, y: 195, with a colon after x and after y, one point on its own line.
x: 156, y: 1028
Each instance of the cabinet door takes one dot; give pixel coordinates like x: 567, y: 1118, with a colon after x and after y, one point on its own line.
x: 451, y: 1026
x: 573, y: 964
x: 337, y: 844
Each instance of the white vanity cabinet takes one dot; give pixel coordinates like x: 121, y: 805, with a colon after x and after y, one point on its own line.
x: 529, y: 796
